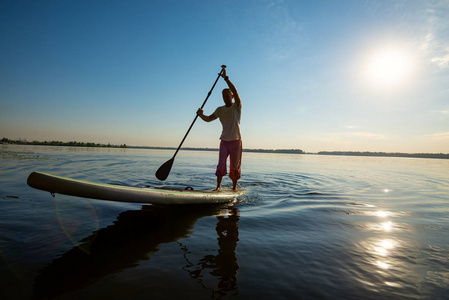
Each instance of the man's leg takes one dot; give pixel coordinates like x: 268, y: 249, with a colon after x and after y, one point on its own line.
x: 219, y: 178
x: 221, y: 167
x: 234, y: 185
x: 235, y: 165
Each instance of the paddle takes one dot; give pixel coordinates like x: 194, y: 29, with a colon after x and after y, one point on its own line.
x: 164, y: 170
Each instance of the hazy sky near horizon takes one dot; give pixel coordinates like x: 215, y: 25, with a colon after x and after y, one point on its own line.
x: 314, y: 75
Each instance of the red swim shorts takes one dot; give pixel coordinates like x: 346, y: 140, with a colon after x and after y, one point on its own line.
x: 234, y: 150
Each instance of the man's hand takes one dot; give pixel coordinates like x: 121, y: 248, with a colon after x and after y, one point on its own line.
x: 223, y: 73
x: 200, y: 114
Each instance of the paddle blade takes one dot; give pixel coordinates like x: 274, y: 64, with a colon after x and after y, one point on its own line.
x: 164, y: 170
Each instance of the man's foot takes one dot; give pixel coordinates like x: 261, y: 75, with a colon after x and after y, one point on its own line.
x: 234, y: 185
x: 218, y: 189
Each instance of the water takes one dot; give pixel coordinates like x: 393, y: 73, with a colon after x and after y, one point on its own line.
x: 308, y: 227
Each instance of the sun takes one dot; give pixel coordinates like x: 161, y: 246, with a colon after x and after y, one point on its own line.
x: 389, y: 67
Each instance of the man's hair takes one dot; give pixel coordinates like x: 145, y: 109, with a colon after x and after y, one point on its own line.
x: 225, y: 90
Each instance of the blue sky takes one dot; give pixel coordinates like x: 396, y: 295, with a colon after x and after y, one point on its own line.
x: 314, y: 75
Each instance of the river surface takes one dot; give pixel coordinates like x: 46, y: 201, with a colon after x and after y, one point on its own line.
x: 308, y: 227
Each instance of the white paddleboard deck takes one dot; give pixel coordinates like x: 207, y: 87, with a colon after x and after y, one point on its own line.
x: 79, y: 188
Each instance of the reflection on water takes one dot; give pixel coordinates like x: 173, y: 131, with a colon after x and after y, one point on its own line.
x: 134, y: 236
x: 384, y: 254
x: 224, y: 265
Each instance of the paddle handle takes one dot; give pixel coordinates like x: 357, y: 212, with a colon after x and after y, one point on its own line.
x: 196, y: 117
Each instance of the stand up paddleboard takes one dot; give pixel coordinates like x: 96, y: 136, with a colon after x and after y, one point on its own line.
x: 79, y: 188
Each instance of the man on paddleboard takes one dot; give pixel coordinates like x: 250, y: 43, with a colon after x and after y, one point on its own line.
x: 231, y: 140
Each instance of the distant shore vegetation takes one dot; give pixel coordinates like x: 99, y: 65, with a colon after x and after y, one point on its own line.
x: 279, y: 151
x: 386, y: 154
x: 59, y: 143
x: 83, y: 144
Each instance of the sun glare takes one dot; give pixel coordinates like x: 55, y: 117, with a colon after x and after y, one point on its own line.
x: 389, y: 67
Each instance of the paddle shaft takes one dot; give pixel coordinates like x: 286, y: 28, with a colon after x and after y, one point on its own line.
x: 196, y: 117
x: 164, y: 170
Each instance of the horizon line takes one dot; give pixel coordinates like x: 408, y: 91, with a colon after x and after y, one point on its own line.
x: 6, y: 141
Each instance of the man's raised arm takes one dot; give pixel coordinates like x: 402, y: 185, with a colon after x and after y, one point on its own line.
x: 231, y: 86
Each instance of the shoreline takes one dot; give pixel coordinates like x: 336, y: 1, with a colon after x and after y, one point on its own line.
x: 6, y: 141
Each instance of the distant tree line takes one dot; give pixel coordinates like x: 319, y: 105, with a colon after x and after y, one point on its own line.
x: 286, y: 151
x: 59, y: 143
x: 290, y: 151
x: 385, y: 154
x: 82, y: 144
